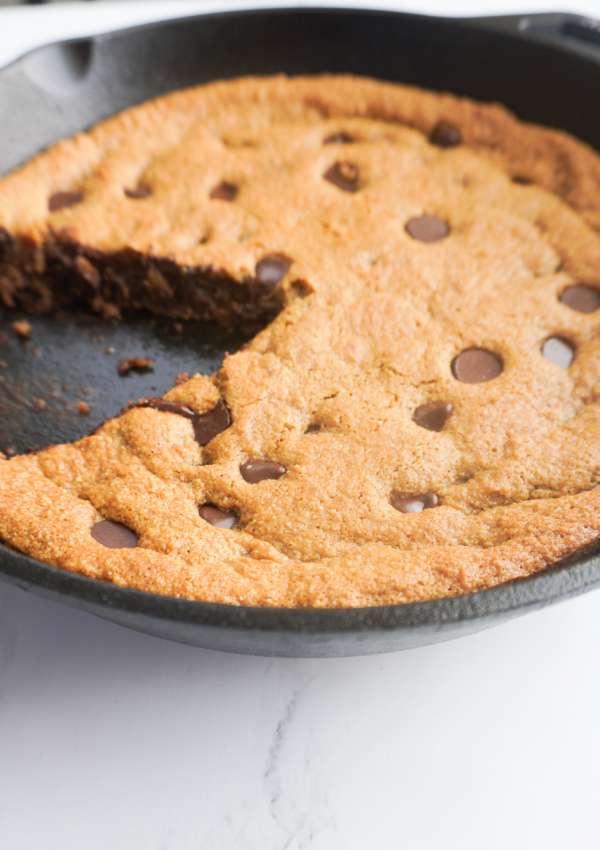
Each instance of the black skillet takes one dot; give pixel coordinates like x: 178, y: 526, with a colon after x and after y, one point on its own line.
x: 544, y: 67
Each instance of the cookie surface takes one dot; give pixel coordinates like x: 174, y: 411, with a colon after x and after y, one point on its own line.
x: 419, y: 415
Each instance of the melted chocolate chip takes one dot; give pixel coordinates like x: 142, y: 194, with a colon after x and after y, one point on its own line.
x: 445, y: 135
x: 476, y: 365
x: 339, y: 138
x: 142, y: 190
x: 433, y: 415
x: 427, y: 228
x: 254, y: 471
x: 224, y: 191
x: 166, y: 407
x: 559, y: 351
x: 218, y: 517
x: 409, y: 503
x: 344, y: 175
x: 271, y: 269
x: 113, y: 535
x: 60, y: 200
x: 206, y: 425
x: 581, y: 297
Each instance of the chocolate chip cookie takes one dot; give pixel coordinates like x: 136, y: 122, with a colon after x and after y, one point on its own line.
x: 418, y: 411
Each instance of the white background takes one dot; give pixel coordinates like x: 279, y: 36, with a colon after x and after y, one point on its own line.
x: 111, y: 740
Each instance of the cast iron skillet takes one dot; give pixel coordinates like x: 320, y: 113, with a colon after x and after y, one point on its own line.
x: 544, y: 67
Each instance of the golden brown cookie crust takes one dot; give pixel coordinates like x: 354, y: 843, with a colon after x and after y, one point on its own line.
x: 329, y: 173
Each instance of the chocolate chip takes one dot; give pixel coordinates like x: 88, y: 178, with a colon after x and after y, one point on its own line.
x: 476, y: 365
x: 271, y: 269
x: 166, y: 406
x: 445, y: 135
x: 206, y: 425
x: 409, y: 503
x: 427, y: 228
x: 433, y: 415
x: 313, y: 428
x: 559, y: 351
x: 254, y: 471
x: 344, y: 175
x: 224, y: 191
x: 581, y: 297
x: 217, y: 517
x: 113, y: 535
x: 142, y: 190
x: 339, y: 138
x: 60, y: 200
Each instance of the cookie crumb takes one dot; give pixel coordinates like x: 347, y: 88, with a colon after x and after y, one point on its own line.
x: 135, y: 364
x: 40, y: 404
x: 109, y: 350
x: 83, y: 408
x: 22, y: 328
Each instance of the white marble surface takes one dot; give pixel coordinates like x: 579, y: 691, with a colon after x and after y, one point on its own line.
x: 110, y: 740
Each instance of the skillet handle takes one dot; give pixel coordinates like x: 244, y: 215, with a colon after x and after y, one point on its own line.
x: 575, y: 32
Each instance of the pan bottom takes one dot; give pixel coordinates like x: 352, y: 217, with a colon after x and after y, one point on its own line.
x: 63, y: 381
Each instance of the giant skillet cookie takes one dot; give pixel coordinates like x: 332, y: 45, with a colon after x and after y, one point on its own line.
x: 418, y: 412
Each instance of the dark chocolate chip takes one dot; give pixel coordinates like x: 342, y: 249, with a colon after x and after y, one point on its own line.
x: 559, y: 351
x: 254, y: 471
x: 427, y: 228
x: 166, y: 407
x: 271, y: 269
x: 60, y: 200
x: 521, y: 180
x: 313, y: 428
x: 206, y: 425
x: 218, y: 517
x: 113, y: 535
x: 339, y: 138
x: 433, y: 415
x: 581, y: 297
x: 445, y: 135
x: 476, y: 365
x: 224, y: 191
x: 344, y: 175
x: 410, y: 503
x: 142, y: 190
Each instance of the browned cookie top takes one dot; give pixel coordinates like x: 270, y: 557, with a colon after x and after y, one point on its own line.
x: 423, y: 416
